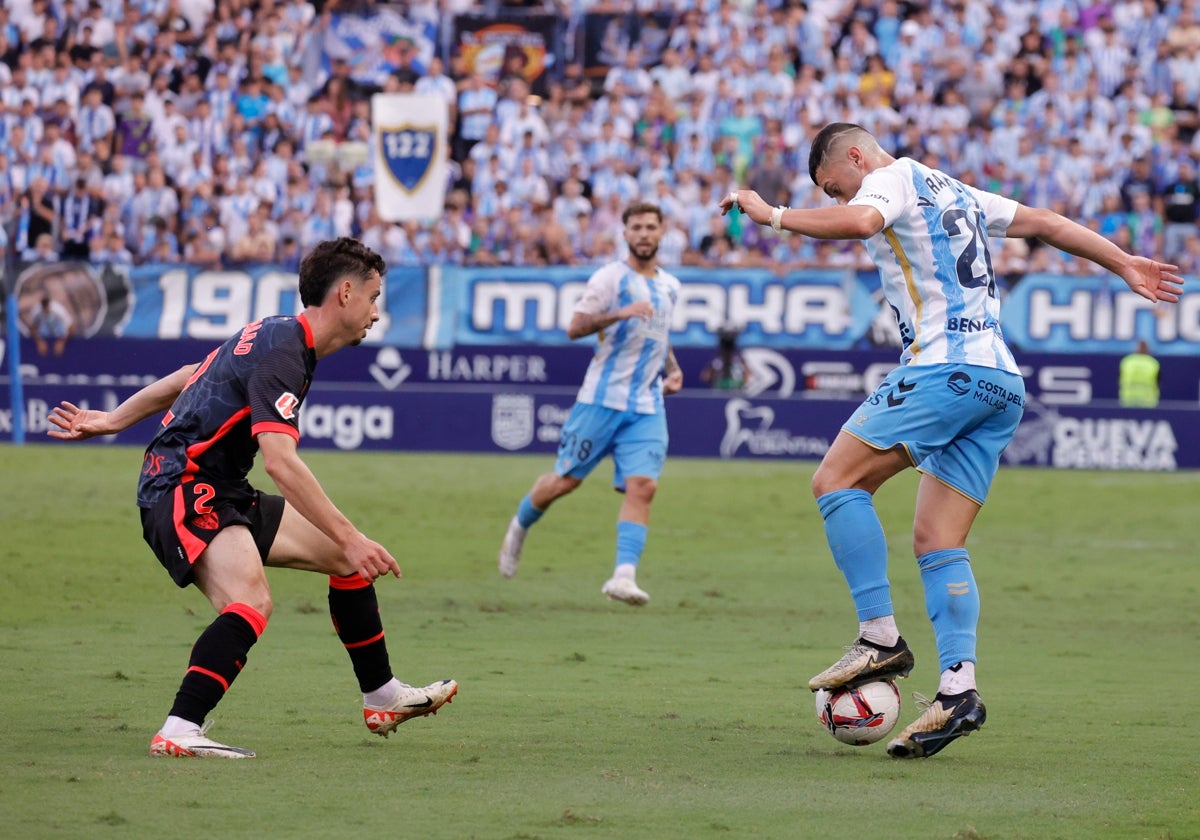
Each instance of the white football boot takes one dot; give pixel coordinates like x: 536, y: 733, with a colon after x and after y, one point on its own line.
x: 510, y: 549
x: 626, y: 590
x: 411, y: 702
x: 194, y: 745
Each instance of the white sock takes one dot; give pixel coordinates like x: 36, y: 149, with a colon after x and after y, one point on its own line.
x: 179, y: 726
x: 385, y: 695
x: 626, y: 570
x: 957, y: 678
x: 881, y: 631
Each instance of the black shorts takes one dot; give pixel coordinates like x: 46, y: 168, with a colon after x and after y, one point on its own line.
x: 178, y: 534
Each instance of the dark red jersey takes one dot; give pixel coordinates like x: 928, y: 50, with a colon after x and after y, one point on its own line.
x: 253, y: 383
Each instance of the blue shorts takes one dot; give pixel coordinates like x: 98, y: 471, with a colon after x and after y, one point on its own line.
x: 953, y: 420
x: 637, y: 442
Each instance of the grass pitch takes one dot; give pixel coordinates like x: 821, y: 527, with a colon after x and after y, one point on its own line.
x: 583, y: 718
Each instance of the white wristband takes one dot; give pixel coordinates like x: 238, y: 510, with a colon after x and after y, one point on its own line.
x: 777, y: 218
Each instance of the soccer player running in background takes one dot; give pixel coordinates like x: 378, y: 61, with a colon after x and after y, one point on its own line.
x: 209, y: 527
x: 619, y: 409
x: 949, y: 409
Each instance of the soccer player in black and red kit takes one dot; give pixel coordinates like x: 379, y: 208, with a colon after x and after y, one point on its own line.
x: 210, y: 527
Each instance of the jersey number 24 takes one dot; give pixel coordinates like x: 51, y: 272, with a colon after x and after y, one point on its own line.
x: 973, y: 262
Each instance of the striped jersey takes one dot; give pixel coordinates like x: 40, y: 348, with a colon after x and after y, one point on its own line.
x: 625, y: 372
x: 935, y: 264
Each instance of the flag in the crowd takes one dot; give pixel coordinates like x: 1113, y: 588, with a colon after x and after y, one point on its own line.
x: 377, y: 45
x: 410, y: 155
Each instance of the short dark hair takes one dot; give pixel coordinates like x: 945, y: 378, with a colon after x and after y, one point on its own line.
x: 639, y: 208
x: 332, y: 260
x: 824, y: 141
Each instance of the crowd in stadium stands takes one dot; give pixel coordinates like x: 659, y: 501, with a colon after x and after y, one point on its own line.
x: 188, y: 130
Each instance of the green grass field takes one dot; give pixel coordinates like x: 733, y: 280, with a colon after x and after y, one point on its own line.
x: 580, y: 718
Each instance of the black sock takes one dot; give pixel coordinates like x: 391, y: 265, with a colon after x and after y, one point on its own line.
x: 354, y: 608
x: 217, y: 658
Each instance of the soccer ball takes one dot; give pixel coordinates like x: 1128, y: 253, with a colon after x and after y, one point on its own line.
x: 860, y: 715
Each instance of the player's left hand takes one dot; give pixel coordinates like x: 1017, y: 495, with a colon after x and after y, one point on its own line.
x: 673, y: 382
x: 643, y: 309
x: 750, y: 203
x: 1153, y: 280
x: 74, y: 423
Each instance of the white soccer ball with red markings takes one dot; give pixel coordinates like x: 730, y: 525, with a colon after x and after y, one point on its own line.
x: 861, y: 715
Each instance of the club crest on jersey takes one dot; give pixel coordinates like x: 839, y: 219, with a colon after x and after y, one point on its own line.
x: 286, y: 405
x: 207, y: 521
x: 408, y: 151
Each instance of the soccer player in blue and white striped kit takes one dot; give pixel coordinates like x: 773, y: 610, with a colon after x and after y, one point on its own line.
x: 619, y: 409
x: 949, y: 409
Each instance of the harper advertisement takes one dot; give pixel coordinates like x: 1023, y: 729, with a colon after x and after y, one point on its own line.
x: 1050, y: 379
x: 701, y: 424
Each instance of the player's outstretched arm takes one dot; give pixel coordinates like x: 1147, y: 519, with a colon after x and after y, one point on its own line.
x: 300, y: 487
x: 1151, y: 279
x: 71, y: 422
x: 845, y: 221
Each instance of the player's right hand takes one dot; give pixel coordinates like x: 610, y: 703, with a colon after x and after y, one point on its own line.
x: 74, y: 423
x: 748, y: 202
x: 370, y: 559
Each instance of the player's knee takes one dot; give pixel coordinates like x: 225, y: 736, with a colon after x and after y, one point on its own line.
x: 817, y: 484
x: 641, y: 488
x: 564, y: 484
x: 258, y: 600
x: 259, y: 597
x: 929, y: 537
x: 262, y: 602
x: 550, y: 487
x: 824, y: 481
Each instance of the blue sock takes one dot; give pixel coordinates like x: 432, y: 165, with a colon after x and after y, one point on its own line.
x: 527, y: 514
x: 952, y: 601
x: 631, y: 540
x: 859, y: 549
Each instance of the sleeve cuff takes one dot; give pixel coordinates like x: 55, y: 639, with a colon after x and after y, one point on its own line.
x: 281, y: 428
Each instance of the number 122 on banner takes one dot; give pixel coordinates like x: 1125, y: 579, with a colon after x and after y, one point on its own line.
x: 410, y: 155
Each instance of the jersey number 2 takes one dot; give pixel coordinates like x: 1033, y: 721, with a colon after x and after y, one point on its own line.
x: 202, y: 494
